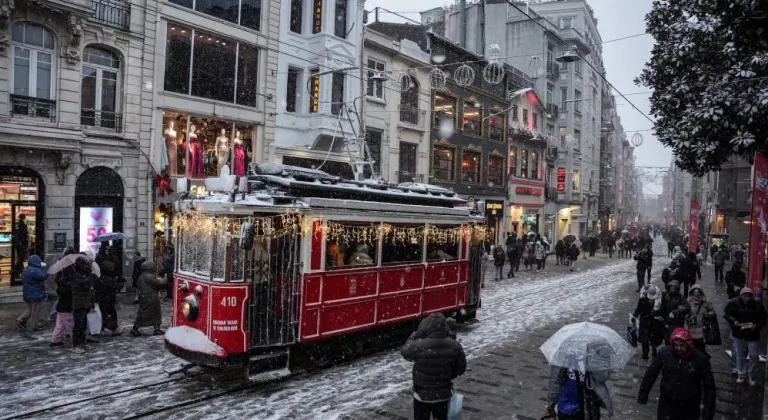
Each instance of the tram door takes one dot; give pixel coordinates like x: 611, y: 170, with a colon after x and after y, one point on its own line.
x: 275, y: 270
x: 475, y: 273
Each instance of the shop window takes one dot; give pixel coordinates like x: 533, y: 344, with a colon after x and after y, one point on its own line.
x: 534, y: 165
x: 375, y: 88
x: 100, y: 88
x: 297, y: 15
x: 513, y: 161
x: 246, y: 13
x: 351, y: 245
x: 444, y: 110
x: 214, y: 63
x: 337, y: 93
x: 33, y: 71
x: 444, y: 163
x: 402, y: 244
x: 443, y: 242
x: 524, y: 164
x: 470, y: 167
x: 496, y: 127
x: 20, y: 226
x: 292, y: 90
x: 340, y: 28
x: 495, y: 171
x: 473, y: 120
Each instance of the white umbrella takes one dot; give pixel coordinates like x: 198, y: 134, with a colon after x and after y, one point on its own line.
x: 587, y: 347
x: 70, y: 259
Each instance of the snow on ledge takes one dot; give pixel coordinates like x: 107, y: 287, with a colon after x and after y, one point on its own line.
x: 193, y: 340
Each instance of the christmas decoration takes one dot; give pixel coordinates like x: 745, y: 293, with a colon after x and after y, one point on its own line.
x: 163, y: 183
x: 464, y: 75
x: 437, y: 78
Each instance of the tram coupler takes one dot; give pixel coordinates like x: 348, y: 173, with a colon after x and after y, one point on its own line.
x: 183, y: 369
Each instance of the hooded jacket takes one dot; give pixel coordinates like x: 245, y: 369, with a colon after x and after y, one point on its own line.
x: 82, y: 284
x: 498, y: 256
x: 437, y: 359
x: 695, y: 318
x: 683, y: 379
x: 148, y: 285
x: 751, y: 312
x: 674, y: 305
x: 33, y: 279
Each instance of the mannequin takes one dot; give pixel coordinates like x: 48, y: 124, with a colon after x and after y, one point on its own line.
x: 238, y: 156
x: 222, y: 150
x: 195, y: 157
x: 171, y: 147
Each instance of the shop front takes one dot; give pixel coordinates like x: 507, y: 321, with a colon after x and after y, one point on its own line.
x: 494, y: 219
x: 22, y: 194
x: 526, y: 208
x: 98, y: 207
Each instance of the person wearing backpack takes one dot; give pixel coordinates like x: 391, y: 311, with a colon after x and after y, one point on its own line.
x: 498, y: 261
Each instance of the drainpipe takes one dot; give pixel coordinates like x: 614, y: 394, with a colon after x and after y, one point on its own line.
x: 463, y: 23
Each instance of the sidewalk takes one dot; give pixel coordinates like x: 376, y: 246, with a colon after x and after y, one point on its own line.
x: 510, y: 382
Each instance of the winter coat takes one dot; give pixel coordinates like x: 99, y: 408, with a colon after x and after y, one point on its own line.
x: 169, y: 255
x: 137, y: 268
x: 644, y: 259
x: 33, y: 279
x: 694, y: 320
x: 541, y: 251
x: 682, y: 381
x: 592, y: 396
x: 573, y: 253
x: 560, y: 248
x: 82, y: 290
x: 108, y: 285
x: 674, y: 308
x: 650, y: 328
x: 510, y: 241
x: 437, y: 359
x: 719, y: 258
x: 149, y: 302
x: 498, y: 256
x: 64, y: 290
x: 752, y: 312
x: 512, y: 254
x: 735, y: 280
x: 691, y: 270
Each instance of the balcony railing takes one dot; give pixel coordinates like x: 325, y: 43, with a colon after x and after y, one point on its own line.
x: 553, y: 70
x: 412, y: 115
x: 410, y: 177
x: 102, y: 119
x: 33, y: 107
x: 553, y: 110
x: 113, y: 13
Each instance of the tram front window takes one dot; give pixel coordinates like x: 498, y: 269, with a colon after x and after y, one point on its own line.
x: 351, y: 245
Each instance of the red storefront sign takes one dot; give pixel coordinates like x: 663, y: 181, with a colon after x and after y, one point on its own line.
x: 560, y: 179
x: 527, y: 191
x: 693, y: 228
x: 758, y: 225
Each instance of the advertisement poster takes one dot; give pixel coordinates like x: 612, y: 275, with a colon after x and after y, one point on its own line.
x: 94, y: 221
x: 757, y: 228
x: 693, y: 227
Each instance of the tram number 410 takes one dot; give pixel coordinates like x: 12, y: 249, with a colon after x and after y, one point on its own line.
x: 229, y: 301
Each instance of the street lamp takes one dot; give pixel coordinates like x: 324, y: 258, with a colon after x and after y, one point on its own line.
x: 569, y: 56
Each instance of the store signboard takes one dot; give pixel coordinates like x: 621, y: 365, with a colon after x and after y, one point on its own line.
x: 758, y: 226
x: 528, y: 191
x: 560, y: 179
x: 94, y: 221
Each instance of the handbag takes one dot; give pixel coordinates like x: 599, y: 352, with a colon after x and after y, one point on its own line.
x: 632, y: 333
x: 711, y: 330
x: 455, y: 406
x: 94, y: 320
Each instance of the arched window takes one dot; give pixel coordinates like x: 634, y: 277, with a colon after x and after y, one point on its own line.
x: 100, y: 86
x: 409, y: 104
x: 33, y: 70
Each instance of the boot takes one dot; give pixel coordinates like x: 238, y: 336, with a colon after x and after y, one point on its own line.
x: 158, y: 331
x: 134, y: 332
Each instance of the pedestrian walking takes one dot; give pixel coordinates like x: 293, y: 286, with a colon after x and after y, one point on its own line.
x: 138, y: 260
x: 573, y: 395
x: 82, y: 301
x: 691, y: 272
x: 149, y: 313
x: 674, y: 309
x: 670, y: 249
x: 499, y: 257
x: 572, y: 255
x: 54, y: 312
x: 648, y: 313
x: 33, y: 291
x: 718, y: 258
x: 687, y: 390
x: 169, y: 259
x: 694, y: 320
x: 105, y: 290
x: 520, y: 251
x: 512, y: 256
x: 540, y: 252
x: 746, y: 317
x: 437, y: 360
x: 560, y: 252
x: 510, y: 240
x: 21, y: 243
x: 644, y: 259
x: 65, y: 321
x: 735, y: 280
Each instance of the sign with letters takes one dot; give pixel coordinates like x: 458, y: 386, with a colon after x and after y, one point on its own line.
x: 94, y: 221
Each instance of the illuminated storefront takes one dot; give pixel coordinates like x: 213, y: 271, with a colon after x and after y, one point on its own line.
x: 526, y: 207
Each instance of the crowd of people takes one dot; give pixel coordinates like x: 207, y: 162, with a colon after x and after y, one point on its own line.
x: 87, y: 287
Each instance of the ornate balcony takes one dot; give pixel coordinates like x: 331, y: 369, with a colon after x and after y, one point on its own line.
x: 33, y: 107
x: 112, y: 13
x: 412, y: 116
x: 101, y: 119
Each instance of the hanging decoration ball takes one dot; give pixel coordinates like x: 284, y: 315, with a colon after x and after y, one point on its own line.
x: 637, y: 140
x: 437, y: 78
x: 402, y: 81
x: 464, y: 75
x: 493, y: 52
x: 493, y: 73
x: 535, y: 66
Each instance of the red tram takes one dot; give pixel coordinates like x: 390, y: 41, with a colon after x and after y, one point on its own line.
x: 307, y: 258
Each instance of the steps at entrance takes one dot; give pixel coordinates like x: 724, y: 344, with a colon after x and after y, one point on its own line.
x: 11, y: 296
x: 268, y: 367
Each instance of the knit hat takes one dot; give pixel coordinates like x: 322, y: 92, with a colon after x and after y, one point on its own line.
x: 745, y: 290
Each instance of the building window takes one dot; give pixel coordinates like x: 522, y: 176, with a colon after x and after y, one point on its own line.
x: 337, y: 93
x: 577, y: 139
x: 33, y: 71
x: 534, y: 165
x: 595, y: 102
x: 375, y: 87
x: 317, y: 16
x: 535, y: 121
x: 550, y: 55
x: 297, y: 15
x: 409, y: 105
x: 577, y: 67
x: 566, y: 23
x: 495, y: 171
x: 515, y: 112
x: 470, y: 167
x: 292, y: 90
x: 575, y: 180
x: 496, y: 126
x: 444, y: 110
x: 314, y: 84
x: 373, y: 139
x: 577, y: 101
x: 524, y: 164
x: 340, y: 29
x: 513, y: 161
x: 189, y: 67
x: 563, y: 98
x: 525, y: 118
x: 246, y: 13
x: 550, y: 130
x: 473, y: 120
x: 407, y: 162
x: 99, y: 91
x: 444, y: 163
x: 550, y: 98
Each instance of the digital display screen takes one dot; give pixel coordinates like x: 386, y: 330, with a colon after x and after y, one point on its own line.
x: 94, y: 221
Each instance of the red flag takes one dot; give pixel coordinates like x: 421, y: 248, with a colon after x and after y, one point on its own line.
x: 693, y: 229
x: 758, y: 225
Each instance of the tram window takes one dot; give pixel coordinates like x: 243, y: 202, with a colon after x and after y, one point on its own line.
x: 351, y: 245
x: 402, y: 243
x: 443, y: 242
x: 219, y: 256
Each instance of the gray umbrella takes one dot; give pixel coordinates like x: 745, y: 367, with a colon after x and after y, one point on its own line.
x: 587, y: 347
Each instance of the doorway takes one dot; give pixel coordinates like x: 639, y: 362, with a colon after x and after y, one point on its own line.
x: 21, y: 221
x: 98, y: 207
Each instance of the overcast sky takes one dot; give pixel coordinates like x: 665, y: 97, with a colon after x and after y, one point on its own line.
x: 623, y: 62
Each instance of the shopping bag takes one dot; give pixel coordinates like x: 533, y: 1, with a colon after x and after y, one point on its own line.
x: 711, y: 330
x: 454, y: 408
x: 94, y: 320
x: 632, y: 332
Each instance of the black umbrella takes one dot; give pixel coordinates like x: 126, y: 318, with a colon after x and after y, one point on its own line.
x: 569, y: 239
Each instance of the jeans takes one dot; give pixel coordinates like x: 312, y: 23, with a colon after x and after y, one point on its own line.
x: 81, y: 324
x: 499, y: 271
x: 648, y: 270
x: 423, y: 410
x: 640, y: 278
x: 719, y: 272
x: 572, y: 264
x: 746, y: 368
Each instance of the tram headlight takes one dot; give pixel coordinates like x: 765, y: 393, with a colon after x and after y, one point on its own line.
x: 190, y: 308
x: 184, y: 287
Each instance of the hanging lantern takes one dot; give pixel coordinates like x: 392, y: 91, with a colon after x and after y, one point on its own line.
x: 637, y: 140
x: 464, y: 75
x: 437, y: 78
x: 535, y: 66
x: 402, y: 81
x: 493, y: 73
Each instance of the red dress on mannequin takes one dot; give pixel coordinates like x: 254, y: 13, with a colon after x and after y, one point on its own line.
x: 238, y: 168
x: 195, y: 164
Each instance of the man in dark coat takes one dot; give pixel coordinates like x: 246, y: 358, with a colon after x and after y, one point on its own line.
x: 718, y: 257
x: 106, y: 289
x: 82, y: 301
x: 137, y: 262
x: 735, y: 279
x: 560, y: 252
x: 746, y: 317
x: 437, y: 359
x: 572, y: 254
x: 169, y: 258
x: 648, y: 313
x: 644, y: 260
x: 686, y: 372
x: 21, y: 242
x: 149, y: 314
x: 674, y: 308
x: 511, y: 256
x: 498, y: 261
x: 691, y: 272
